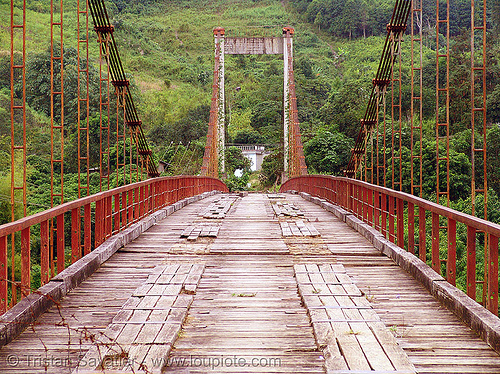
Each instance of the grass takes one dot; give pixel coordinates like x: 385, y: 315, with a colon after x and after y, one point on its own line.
x: 244, y: 294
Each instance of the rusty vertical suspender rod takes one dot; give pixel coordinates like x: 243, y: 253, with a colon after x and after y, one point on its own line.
x: 104, y: 112
x: 56, y: 242
x: 416, y: 108
x: 18, y: 150
x: 56, y: 102
x: 478, y: 117
x: 396, y: 35
x: 478, y: 103
x: 82, y: 18
x: 443, y: 102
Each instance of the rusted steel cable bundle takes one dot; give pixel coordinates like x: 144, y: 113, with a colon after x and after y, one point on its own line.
x: 395, y: 29
x: 104, y: 29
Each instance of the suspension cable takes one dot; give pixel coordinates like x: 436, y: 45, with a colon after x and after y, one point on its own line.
x: 396, y: 26
x: 103, y: 27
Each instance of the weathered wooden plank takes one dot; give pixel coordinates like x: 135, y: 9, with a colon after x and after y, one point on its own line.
x: 346, y: 326
x: 136, y: 355
x: 156, y: 357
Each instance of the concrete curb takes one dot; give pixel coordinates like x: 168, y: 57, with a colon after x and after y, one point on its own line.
x: 478, y: 318
x: 25, y: 312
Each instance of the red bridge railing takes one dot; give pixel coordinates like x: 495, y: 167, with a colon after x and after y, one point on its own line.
x: 396, y: 216
x: 80, y: 226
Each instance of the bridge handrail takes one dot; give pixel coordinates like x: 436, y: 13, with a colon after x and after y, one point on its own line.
x: 381, y: 207
x: 99, y: 216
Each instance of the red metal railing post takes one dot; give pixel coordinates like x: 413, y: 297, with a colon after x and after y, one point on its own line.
x: 492, y: 301
x: 75, y: 235
x: 422, y: 249
x: 347, y: 196
x: 98, y: 223
x: 25, y: 262
x: 400, y: 223
x: 384, y: 214
x: 392, y: 236
x: 371, y: 207
x: 359, y: 196
x: 411, y: 228
x: 334, y: 190
x: 177, y: 190
x: 108, y: 216
x: 163, y: 193
x: 87, y: 229
x: 137, y: 202
x: 147, y: 199
x: 130, y: 206
x: 436, y: 262
x: 451, y: 264
x: 357, y: 201
x: 4, y: 293
x: 158, y: 195
x: 117, y: 213
x: 151, y: 197
x: 350, y: 196
x: 141, y: 202
x: 471, y: 262
x: 364, y: 199
x: 376, y: 211
x: 44, y: 252
x: 168, y: 188
x: 60, y: 243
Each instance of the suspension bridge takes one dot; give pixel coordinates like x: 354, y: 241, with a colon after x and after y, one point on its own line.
x: 175, y: 274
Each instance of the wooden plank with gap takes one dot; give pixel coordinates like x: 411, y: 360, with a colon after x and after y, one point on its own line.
x: 362, y: 342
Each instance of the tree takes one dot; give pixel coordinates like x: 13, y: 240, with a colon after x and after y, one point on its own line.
x: 328, y: 152
x: 493, y: 105
x: 345, y: 108
x: 248, y: 137
x: 186, y: 129
x: 493, y: 161
x: 267, y: 113
x: 272, y: 169
x: 236, y: 160
x: 38, y: 86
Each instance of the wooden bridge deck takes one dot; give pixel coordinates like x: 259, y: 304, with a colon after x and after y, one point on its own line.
x: 245, y: 307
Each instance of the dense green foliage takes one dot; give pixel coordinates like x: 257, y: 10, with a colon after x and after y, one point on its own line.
x: 356, y: 18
